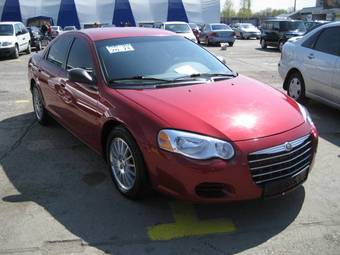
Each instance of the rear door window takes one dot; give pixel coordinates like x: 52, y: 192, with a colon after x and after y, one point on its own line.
x: 329, y: 41
x: 58, y: 51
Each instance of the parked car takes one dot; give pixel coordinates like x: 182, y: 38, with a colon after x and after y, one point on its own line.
x: 311, y: 25
x: 310, y: 66
x: 36, y: 37
x: 108, y: 25
x: 217, y: 33
x: 196, y: 30
x: 146, y: 116
x: 149, y: 24
x: 56, y: 30
x: 180, y: 28
x: 69, y: 28
x: 14, y: 38
x: 246, y: 31
x: 276, y: 32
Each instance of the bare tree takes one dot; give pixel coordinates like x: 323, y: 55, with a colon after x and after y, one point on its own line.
x: 228, y: 9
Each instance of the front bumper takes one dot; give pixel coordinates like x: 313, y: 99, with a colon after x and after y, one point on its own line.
x: 8, y: 51
x: 283, y: 69
x: 215, y: 181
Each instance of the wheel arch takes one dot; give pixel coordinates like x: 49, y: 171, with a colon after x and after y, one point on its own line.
x: 290, y: 72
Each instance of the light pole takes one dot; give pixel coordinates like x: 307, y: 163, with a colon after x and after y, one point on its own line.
x: 294, y: 5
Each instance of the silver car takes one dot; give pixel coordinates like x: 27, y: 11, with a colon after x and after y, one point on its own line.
x: 217, y: 33
x: 246, y: 31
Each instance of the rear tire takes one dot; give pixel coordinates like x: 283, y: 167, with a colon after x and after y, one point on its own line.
x: 126, y: 164
x: 38, y: 106
x: 231, y: 44
x: 296, y: 87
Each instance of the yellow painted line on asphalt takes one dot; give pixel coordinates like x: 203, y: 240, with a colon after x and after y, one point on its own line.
x: 22, y: 101
x: 187, y: 224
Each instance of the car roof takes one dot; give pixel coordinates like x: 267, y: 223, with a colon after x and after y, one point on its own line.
x: 9, y: 22
x: 175, y: 22
x: 97, y: 34
x: 331, y: 24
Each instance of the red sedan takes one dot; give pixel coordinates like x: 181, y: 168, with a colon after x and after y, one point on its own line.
x: 167, y: 114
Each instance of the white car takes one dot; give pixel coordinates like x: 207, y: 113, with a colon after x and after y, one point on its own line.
x: 14, y: 38
x: 56, y: 30
x: 310, y: 66
x: 180, y: 28
x: 246, y: 31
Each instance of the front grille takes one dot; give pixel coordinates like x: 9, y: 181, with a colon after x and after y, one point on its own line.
x: 279, y: 162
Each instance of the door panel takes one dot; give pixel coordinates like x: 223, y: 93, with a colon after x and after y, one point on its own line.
x: 336, y: 81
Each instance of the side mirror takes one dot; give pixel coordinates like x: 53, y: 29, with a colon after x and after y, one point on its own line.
x: 81, y: 76
x: 222, y: 59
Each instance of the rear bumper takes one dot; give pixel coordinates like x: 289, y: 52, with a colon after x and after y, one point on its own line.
x: 229, y: 39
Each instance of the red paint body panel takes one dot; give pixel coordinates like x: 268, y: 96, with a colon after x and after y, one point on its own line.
x: 251, y: 115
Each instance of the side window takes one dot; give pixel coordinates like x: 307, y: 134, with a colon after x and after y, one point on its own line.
x: 276, y: 26
x: 270, y: 25
x: 310, y: 42
x: 58, y: 51
x: 80, y: 56
x: 17, y: 29
x: 329, y: 41
x: 23, y: 28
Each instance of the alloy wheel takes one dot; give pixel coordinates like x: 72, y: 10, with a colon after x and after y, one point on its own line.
x: 37, y: 104
x: 122, y: 164
x: 295, y: 88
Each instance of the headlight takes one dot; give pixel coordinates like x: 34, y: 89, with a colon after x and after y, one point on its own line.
x: 6, y: 44
x: 306, y: 115
x: 193, y: 145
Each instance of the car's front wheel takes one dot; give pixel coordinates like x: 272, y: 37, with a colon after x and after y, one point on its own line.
x: 263, y: 44
x: 126, y: 163
x: 231, y: 44
x: 29, y: 49
x: 38, y: 106
x: 296, y: 87
x: 16, y: 52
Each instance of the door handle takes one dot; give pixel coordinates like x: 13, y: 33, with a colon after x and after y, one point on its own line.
x: 311, y: 56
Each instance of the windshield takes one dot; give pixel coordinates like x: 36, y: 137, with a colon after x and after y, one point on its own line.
x: 157, y: 57
x: 293, y: 26
x: 247, y: 26
x: 178, y: 28
x: 6, y: 30
x: 220, y: 27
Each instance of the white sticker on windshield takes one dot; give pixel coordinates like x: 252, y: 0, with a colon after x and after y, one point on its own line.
x: 120, y: 48
x: 186, y: 70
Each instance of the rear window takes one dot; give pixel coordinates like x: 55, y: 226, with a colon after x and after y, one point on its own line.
x: 329, y: 41
x: 6, y: 29
x: 293, y: 26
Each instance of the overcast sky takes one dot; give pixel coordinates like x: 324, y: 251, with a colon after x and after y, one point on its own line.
x: 258, y: 5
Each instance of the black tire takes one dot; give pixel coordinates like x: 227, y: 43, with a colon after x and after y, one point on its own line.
x: 16, y: 52
x: 263, y: 44
x: 295, y: 80
x: 39, y: 46
x: 231, y: 44
x: 241, y: 36
x: 41, y: 114
x: 140, y: 187
x: 29, y: 49
x: 281, y: 43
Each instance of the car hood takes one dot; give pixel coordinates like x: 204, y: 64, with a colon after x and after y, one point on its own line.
x: 250, y: 30
x: 187, y: 35
x: 7, y: 38
x: 236, y: 109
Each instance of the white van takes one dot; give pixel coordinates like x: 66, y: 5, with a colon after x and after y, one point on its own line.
x: 14, y: 38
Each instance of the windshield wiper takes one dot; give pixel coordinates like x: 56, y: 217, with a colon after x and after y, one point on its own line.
x: 204, y: 75
x: 138, y: 77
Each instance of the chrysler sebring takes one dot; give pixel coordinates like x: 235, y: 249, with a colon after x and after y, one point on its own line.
x: 168, y: 115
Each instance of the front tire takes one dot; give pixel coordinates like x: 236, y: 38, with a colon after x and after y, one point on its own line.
x: 263, y: 44
x: 281, y: 46
x: 126, y: 164
x: 38, y: 106
x: 16, y: 52
x: 231, y: 44
x: 296, y: 87
x: 29, y: 49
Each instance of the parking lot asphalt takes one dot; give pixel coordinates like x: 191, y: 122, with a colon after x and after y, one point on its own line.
x: 56, y: 196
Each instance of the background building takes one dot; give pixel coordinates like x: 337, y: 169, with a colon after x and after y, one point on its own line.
x: 323, y: 10
x: 80, y: 12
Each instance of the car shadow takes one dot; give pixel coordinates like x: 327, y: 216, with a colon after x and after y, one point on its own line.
x: 269, y: 49
x: 326, y: 119
x: 52, y: 169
